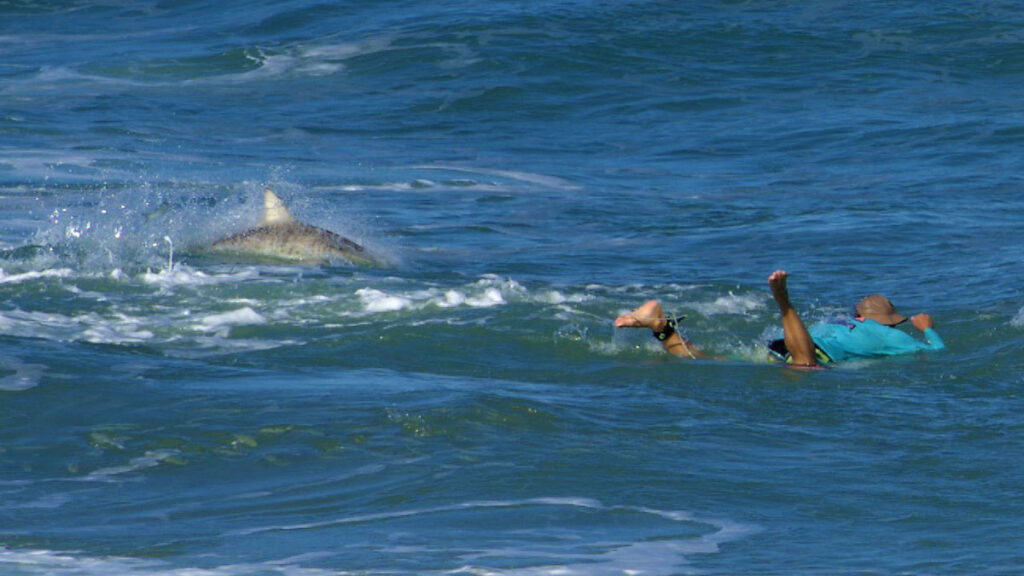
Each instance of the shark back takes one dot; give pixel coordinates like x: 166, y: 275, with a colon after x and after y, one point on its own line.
x: 279, y: 236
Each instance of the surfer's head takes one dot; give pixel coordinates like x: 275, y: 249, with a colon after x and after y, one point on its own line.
x: 880, y: 309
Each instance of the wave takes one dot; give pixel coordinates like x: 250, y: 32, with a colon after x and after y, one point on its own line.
x: 664, y: 542
x: 585, y: 542
x: 187, y: 309
x: 178, y: 306
x: 52, y: 562
x: 233, y: 67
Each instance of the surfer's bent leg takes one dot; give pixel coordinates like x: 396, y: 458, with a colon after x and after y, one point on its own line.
x: 650, y: 315
x: 798, y: 339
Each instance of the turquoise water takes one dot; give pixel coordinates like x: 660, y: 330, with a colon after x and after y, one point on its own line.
x: 528, y: 170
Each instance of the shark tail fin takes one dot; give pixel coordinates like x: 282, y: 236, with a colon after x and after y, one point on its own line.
x: 274, y: 211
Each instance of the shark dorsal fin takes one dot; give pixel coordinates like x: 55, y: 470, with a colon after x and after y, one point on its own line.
x: 274, y: 211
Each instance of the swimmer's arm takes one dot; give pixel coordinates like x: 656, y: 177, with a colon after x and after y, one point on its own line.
x: 924, y: 323
x: 933, y: 340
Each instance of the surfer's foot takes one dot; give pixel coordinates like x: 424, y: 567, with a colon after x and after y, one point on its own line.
x: 648, y: 315
x: 778, y: 283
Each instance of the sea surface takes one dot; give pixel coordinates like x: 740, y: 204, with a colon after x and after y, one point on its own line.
x: 526, y: 171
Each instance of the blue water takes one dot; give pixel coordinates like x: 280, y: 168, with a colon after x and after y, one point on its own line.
x: 528, y: 171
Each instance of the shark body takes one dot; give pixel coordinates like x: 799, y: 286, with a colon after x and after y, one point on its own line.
x: 279, y: 236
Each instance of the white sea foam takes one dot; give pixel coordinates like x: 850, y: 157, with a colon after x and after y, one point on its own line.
x: 124, y: 330
x: 53, y: 563
x: 731, y: 304
x: 490, y: 297
x: 489, y: 291
x: 298, y: 60
x: 34, y: 275
x: 528, y: 177
x: 182, y: 275
x: 90, y: 327
x: 452, y: 298
x: 223, y: 322
x: 150, y: 459
x: 601, y: 554
x: 378, y: 301
x: 25, y: 375
x: 1018, y: 320
x: 267, y: 64
x: 420, y: 184
x: 18, y: 320
x: 55, y: 79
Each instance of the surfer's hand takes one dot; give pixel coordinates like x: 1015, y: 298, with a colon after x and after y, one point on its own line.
x: 922, y: 322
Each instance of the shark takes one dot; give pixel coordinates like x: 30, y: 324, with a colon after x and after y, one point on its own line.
x: 279, y: 236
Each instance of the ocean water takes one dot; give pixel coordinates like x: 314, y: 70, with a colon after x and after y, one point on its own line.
x: 528, y: 171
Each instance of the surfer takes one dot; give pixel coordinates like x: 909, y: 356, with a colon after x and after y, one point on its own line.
x: 871, y: 333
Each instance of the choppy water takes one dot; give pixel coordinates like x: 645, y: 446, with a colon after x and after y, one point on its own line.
x: 529, y: 170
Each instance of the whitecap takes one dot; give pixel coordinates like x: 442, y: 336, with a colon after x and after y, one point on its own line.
x: 225, y: 320
x: 490, y: 297
x: 377, y: 301
x: 452, y: 298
